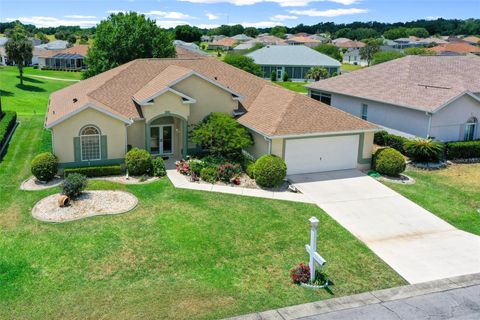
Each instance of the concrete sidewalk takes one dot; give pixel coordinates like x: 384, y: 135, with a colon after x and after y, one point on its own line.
x: 414, y: 242
x: 452, y: 298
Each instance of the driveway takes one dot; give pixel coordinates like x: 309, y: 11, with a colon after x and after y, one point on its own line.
x: 414, y: 242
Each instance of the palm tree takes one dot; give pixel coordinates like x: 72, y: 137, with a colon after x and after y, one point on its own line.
x: 19, y: 49
x: 317, y: 73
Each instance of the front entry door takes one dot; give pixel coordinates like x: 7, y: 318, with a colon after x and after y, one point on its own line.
x: 161, y: 139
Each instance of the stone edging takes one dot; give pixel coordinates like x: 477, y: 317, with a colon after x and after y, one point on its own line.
x: 364, y: 299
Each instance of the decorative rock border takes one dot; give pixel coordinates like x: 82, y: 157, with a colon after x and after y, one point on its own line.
x: 402, y: 179
x: 89, y: 204
x: 131, y: 180
x: 429, y: 165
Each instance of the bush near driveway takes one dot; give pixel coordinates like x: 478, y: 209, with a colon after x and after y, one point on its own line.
x: 98, y: 171
x: 463, y: 150
x: 270, y: 170
x: 74, y: 184
x: 424, y: 150
x: 385, y: 139
x: 138, y: 162
x: 44, y: 166
x: 389, y: 161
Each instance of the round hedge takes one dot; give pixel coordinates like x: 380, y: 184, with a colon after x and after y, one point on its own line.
x: 389, y: 162
x: 270, y: 171
x: 138, y: 162
x: 44, y: 166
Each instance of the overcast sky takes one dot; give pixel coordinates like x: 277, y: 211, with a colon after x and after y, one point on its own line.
x: 258, y: 13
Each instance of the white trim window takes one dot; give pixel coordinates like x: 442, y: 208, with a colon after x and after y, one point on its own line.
x: 90, y: 147
x: 470, y: 129
x: 364, y: 111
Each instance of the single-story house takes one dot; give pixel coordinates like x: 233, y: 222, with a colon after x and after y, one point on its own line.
x: 153, y: 103
x: 340, y: 40
x: 425, y: 96
x: 241, y: 38
x: 223, y: 44
x: 55, y: 45
x: 459, y: 48
x: 472, y: 40
x: 37, y: 51
x: 350, y: 44
x: 67, y: 59
x: 296, y: 61
x: 302, y: 40
x: 352, y: 56
x: 188, y: 46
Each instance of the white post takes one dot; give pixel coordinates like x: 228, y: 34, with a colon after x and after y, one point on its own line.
x: 313, y: 246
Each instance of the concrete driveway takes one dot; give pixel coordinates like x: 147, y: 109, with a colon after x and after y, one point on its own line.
x: 414, y: 242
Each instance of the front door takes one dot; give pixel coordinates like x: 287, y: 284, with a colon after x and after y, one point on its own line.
x: 279, y: 73
x: 161, y: 139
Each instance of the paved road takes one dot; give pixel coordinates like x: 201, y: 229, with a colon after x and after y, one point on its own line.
x: 462, y: 303
x: 414, y: 242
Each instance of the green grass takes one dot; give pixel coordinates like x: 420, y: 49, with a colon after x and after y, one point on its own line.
x: 294, y: 86
x: 52, y: 73
x: 180, y: 254
x: 452, y: 194
x: 350, y: 67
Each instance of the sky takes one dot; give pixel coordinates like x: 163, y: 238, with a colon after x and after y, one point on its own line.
x: 256, y: 13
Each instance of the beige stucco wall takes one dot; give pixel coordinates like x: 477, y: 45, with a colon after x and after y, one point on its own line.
x: 64, y: 132
x: 260, y: 145
x: 367, y: 145
x: 209, y: 98
x: 136, y: 134
x: 277, y: 147
x: 168, y: 102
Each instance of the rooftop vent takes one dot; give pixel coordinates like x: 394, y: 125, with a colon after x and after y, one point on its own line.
x: 75, y: 100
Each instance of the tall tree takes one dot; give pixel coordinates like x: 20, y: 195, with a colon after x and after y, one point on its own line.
x: 244, y: 63
x: 124, y: 37
x: 372, y: 46
x: 279, y: 31
x: 187, y: 33
x: 251, y: 32
x: 330, y: 50
x: 317, y: 73
x: 19, y: 49
x: 42, y: 37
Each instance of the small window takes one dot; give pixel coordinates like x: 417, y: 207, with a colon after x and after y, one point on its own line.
x: 90, y: 143
x: 364, y: 111
x: 470, y: 128
x: 322, y: 97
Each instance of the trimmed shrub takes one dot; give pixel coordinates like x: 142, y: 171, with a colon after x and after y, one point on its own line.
x: 250, y: 170
x: 98, y: 171
x: 395, y: 142
x: 209, y: 174
x: 138, y: 162
x: 380, y: 137
x: 273, y: 76
x: 389, y: 162
x: 195, y: 166
x: 424, y: 150
x: 44, y: 166
x: 228, y: 171
x: 463, y: 150
x: 74, y: 184
x: 285, y: 77
x: 7, y: 122
x: 270, y: 171
x: 159, y: 167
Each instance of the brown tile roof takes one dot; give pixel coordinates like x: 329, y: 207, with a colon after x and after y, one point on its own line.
x: 472, y: 39
x: 302, y: 39
x: 458, y: 47
x: 419, y: 82
x: 350, y: 44
x: 80, y: 49
x: 271, y: 109
x: 228, y: 42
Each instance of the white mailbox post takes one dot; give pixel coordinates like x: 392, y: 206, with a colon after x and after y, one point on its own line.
x: 312, y: 249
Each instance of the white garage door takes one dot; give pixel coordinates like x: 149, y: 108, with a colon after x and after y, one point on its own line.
x: 321, y: 154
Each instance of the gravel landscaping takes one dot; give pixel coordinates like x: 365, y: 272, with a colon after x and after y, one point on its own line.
x: 90, y: 203
x: 32, y: 184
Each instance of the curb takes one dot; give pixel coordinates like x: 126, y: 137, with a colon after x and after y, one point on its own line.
x: 364, y: 299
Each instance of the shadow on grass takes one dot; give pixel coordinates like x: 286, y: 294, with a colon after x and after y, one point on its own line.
x: 27, y: 87
x: 5, y: 93
x: 28, y: 79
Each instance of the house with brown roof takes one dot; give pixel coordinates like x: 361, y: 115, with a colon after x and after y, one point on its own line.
x: 67, y: 59
x: 153, y: 103
x: 303, y: 40
x: 424, y: 96
x: 472, y: 40
x: 456, y: 48
x: 223, y: 44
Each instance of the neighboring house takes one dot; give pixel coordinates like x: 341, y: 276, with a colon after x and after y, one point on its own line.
x: 303, y: 41
x: 433, y: 40
x: 189, y: 46
x: 296, y: 61
x: 456, y: 48
x: 352, y: 56
x: 350, y: 44
x: 67, y: 59
x: 472, y: 40
x: 37, y: 51
x: 426, y: 96
x: 55, y: 45
x: 264, y: 40
x: 152, y: 103
x: 205, y: 38
x: 244, y: 46
x: 241, y: 38
x: 217, y: 38
x: 321, y: 38
x: 223, y: 44
x: 340, y: 40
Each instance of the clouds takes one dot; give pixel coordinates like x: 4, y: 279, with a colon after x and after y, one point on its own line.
x: 167, y: 14
x: 282, y: 3
x: 46, y: 22
x: 283, y: 17
x: 212, y: 16
x: 330, y: 13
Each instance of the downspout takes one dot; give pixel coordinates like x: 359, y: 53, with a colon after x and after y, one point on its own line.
x: 429, y: 128
x: 269, y: 144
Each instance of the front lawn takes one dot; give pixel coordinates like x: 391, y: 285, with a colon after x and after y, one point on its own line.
x: 350, y: 67
x: 294, y: 86
x: 180, y: 254
x: 452, y: 194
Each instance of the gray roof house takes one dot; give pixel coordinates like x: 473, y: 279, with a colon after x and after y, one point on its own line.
x: 54, y: 45
x: 352, y: 56
x: 241, y: 37
x: 424, y: 96
x: 190, y: 46
x: 294, y: 60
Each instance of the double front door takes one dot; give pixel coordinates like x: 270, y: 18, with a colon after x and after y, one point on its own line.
x: 161, y: 139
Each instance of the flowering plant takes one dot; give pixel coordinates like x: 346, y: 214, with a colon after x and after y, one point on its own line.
x: 300, y: 274
x: 182, y: 167
x: 227, y: 171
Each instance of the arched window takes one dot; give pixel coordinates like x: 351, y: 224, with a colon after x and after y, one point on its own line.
x: 90, y: 143
x: 470, y: 129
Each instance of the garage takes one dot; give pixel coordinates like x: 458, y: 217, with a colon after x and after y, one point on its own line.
x: 319, y: 154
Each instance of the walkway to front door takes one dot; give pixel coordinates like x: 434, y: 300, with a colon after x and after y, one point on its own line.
x: 414, y: 242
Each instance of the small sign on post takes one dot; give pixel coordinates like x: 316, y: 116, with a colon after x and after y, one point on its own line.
x: 312, y: 249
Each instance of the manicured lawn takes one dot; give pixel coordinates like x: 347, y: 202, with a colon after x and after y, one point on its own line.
x: 350, y: 67
x: 294, y: 86
x: 452, y: 194
x: 180, y: 254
